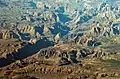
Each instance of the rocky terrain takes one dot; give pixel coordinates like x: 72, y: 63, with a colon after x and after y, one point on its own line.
x: 59, y: 39
x: 64, y: 61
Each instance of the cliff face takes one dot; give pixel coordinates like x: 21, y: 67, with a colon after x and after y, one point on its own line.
x: 7, y: 34
x: 79, y: 17
x: 59, y: 39
x: 81, y: 22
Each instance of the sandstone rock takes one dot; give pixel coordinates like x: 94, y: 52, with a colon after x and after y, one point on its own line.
x: 6, y: 34
x: 33, y: 41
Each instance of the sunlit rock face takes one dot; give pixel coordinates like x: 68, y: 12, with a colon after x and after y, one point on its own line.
x: 64, y: 17
x: 7, y: 34
x: 68, y: 39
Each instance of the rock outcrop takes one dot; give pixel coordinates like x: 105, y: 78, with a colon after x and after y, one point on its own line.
x: 7, y: 34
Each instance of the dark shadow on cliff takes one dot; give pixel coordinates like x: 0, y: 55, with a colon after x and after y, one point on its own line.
x: 26, y: 51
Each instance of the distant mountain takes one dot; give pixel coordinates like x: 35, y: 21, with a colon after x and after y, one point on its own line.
x: 94, y: 18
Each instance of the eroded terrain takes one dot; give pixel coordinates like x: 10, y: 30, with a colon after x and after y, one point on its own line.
x: 59, y: 39
x: 61, y: 61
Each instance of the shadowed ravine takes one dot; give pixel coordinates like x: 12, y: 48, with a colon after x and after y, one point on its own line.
x: 59, y: 39
x: 24, y: 52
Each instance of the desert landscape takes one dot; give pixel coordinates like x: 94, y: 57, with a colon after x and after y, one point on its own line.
x: 59, y: 39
